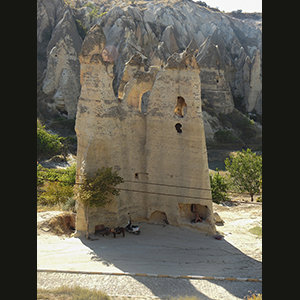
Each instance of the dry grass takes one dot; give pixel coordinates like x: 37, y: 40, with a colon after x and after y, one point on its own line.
x: 71, y: 293
x: 254, y: 297
x: 63, y: 223
x: 57, y: 206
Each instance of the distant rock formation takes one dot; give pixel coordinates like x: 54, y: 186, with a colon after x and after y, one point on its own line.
x: 229, y: 53
x: 141, y: 140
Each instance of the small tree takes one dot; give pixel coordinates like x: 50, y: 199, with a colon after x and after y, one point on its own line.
x: 219, y: 187
x: 245, y: 171
x: 95, y: 189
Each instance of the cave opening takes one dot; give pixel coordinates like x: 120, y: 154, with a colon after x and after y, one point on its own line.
x: 178, y: 127
x: 181, y: 107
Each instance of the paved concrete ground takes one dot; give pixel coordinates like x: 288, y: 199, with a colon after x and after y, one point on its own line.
x: 160, y: 250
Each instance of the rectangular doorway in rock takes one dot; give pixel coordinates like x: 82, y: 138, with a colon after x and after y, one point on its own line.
x: 189, y: 211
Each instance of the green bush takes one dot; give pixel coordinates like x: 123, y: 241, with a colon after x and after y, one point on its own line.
x: 55, y: 186
x: 67, y: 175
x: 245, y: 171
x: 47, y: 143
x: 82, y: 30
x: 70, y: 205
x: 219, y: 187
x: 55, y: 193
x: 225, y: 136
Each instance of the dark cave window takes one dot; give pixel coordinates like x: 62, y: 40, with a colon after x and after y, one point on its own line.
x: 178, y: 127
x: 180, y: 105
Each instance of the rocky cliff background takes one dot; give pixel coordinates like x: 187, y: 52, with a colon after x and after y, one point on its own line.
x: 229, y: 53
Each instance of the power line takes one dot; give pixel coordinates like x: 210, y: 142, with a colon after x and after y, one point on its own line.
x: 144, y: 192
x: 168, y: 185
x: 150, y: 183
x: 137, y: 191
x: 163, y: 194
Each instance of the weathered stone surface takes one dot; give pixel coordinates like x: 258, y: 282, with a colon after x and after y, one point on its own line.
x: 62, y: 76
x: 230, y: 49
x: 143, y: 147
x: 62, y: 73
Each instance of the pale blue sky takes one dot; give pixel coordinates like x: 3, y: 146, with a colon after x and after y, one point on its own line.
x: 230, y: 5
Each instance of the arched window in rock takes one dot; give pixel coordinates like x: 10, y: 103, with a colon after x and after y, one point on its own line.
x: 179, y: 109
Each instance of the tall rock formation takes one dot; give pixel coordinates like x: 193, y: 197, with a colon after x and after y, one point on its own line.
x: 229, y: 52
x: 152, y: 133
x: 60, y: 79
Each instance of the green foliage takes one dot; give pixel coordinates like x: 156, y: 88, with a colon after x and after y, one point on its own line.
x: 94, y: 13
x: 70, y: 205
x: 67, y: 175
x: 47, y: 143
x: 257, y: 230
x: 239, y: 123
x: 51, y: 190
x: 95, y: 189
x: 54, y: 193
x: 82, y: 30
x: 219, y: 187
x: 245, y: 170
x: 225, y: 136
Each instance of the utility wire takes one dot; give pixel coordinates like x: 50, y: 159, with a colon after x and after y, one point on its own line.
x: 169, y: 185
x: 151, y: 183
x: 144, y: 192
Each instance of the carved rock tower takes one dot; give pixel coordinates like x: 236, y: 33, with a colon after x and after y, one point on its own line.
x: 152, y: 134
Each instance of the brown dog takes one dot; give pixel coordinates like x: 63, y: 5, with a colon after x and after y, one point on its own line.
x: 118, y: 230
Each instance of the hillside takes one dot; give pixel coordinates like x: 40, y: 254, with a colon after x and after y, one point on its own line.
x: 229, y: 53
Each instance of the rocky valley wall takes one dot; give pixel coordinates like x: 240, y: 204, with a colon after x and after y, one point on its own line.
x: 229, y: 52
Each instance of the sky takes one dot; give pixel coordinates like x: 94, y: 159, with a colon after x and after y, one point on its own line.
x: 230, y: 5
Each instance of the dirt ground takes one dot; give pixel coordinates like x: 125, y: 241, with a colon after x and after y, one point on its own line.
x: 159, y: 250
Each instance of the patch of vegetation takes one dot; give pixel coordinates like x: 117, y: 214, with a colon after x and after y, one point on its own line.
x: 245, y: 171
x: 82, y: 30
x: 95, y: 190
x: 225, y: 136
x: 240, y: 123
x: 257, y: 230
x: 65, y: 127
x: 94, y: 13
x: 55, y: 186
x: 71, y: 293
x: 47, y: 143
x: 254, y: 297
x: 219, y: 187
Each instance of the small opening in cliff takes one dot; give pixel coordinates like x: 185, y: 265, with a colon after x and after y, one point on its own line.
x: 188, y: 212
x: 179, y: 108
x: 158, y: 217
x: 178, y: 127
x: 144, y: 101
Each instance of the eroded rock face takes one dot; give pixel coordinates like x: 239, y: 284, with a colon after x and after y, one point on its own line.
x: 229, y: 50
x: 143, y: 144
x: 59, y: 44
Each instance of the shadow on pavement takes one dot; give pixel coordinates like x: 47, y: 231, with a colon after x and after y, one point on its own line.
x: 177, y: 251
